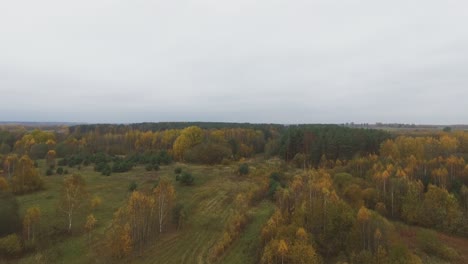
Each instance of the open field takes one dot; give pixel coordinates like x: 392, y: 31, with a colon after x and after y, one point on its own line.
x: 208, y: 204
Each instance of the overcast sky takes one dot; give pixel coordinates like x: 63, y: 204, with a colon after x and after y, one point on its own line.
x: 327, y: 61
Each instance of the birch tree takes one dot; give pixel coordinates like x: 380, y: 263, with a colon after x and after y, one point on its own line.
x: 72, y: 198
x: 164, y: 197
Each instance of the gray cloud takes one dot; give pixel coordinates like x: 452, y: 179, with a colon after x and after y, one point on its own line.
x: 256, y: 61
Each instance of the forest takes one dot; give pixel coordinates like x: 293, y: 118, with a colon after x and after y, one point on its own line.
x: 232, y: 193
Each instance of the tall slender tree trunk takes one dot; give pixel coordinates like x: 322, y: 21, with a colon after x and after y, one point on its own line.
x: 392, y: 201
x: 69, y: 221
x: 9, y: 171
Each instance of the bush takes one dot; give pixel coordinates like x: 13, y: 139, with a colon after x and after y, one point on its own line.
x: 178, y: 170
x: 243, y: 169
x: 186, y: 178
x: 104, y: 168
x: 106, y: 171
x: 74, y: 160
x: 132, y: 186
x: 100, y: 158
x: 49, y: 172
x: 59, y: 171
x: 149, y: 167
x: 10, y: 245
x: 122, y: 166
x: 275, y: 183
x: 150, y: 157
x: 100, y: 166
x: 62, y: 162
x: 164, y: 157
x: 155, y: 167
x: 275, y: 176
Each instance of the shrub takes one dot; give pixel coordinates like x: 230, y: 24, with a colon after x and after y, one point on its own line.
x: 149, y: 167
x: 49, y: 172
x: 107, y: 171
x: 104, y: 168
x: 186, y: 178
x: 10, y: 245
x: 132, y: 186
x: 59, y: 171
x: 155, y: 167
x: 62, y: 162
x: 164, y: 157
x: 100, y: 166
x: 178, y: 170
x: 122, y: 166
x: 243, y: 169
x: 274, y: 185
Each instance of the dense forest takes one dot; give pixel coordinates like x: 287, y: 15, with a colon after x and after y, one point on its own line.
x: 286, y: 193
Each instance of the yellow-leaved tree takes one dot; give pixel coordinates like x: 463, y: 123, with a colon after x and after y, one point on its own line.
x: 10, y: 164
x: 25, y: 177
x: 72, y: 198
x: 164, y: 196
x: 282, y: 249
x: 50, y: 158
x: 30, y: 221
x: 363, y: 217
x: 89, y: 225
x: 188, y: 138
x: 119, y: 238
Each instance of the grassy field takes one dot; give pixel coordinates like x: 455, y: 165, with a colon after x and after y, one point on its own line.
x: 247, y: 248
x: 208, y: 204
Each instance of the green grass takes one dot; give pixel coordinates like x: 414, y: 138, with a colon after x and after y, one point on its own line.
x: 208, y: 203
x: 246, y: 248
